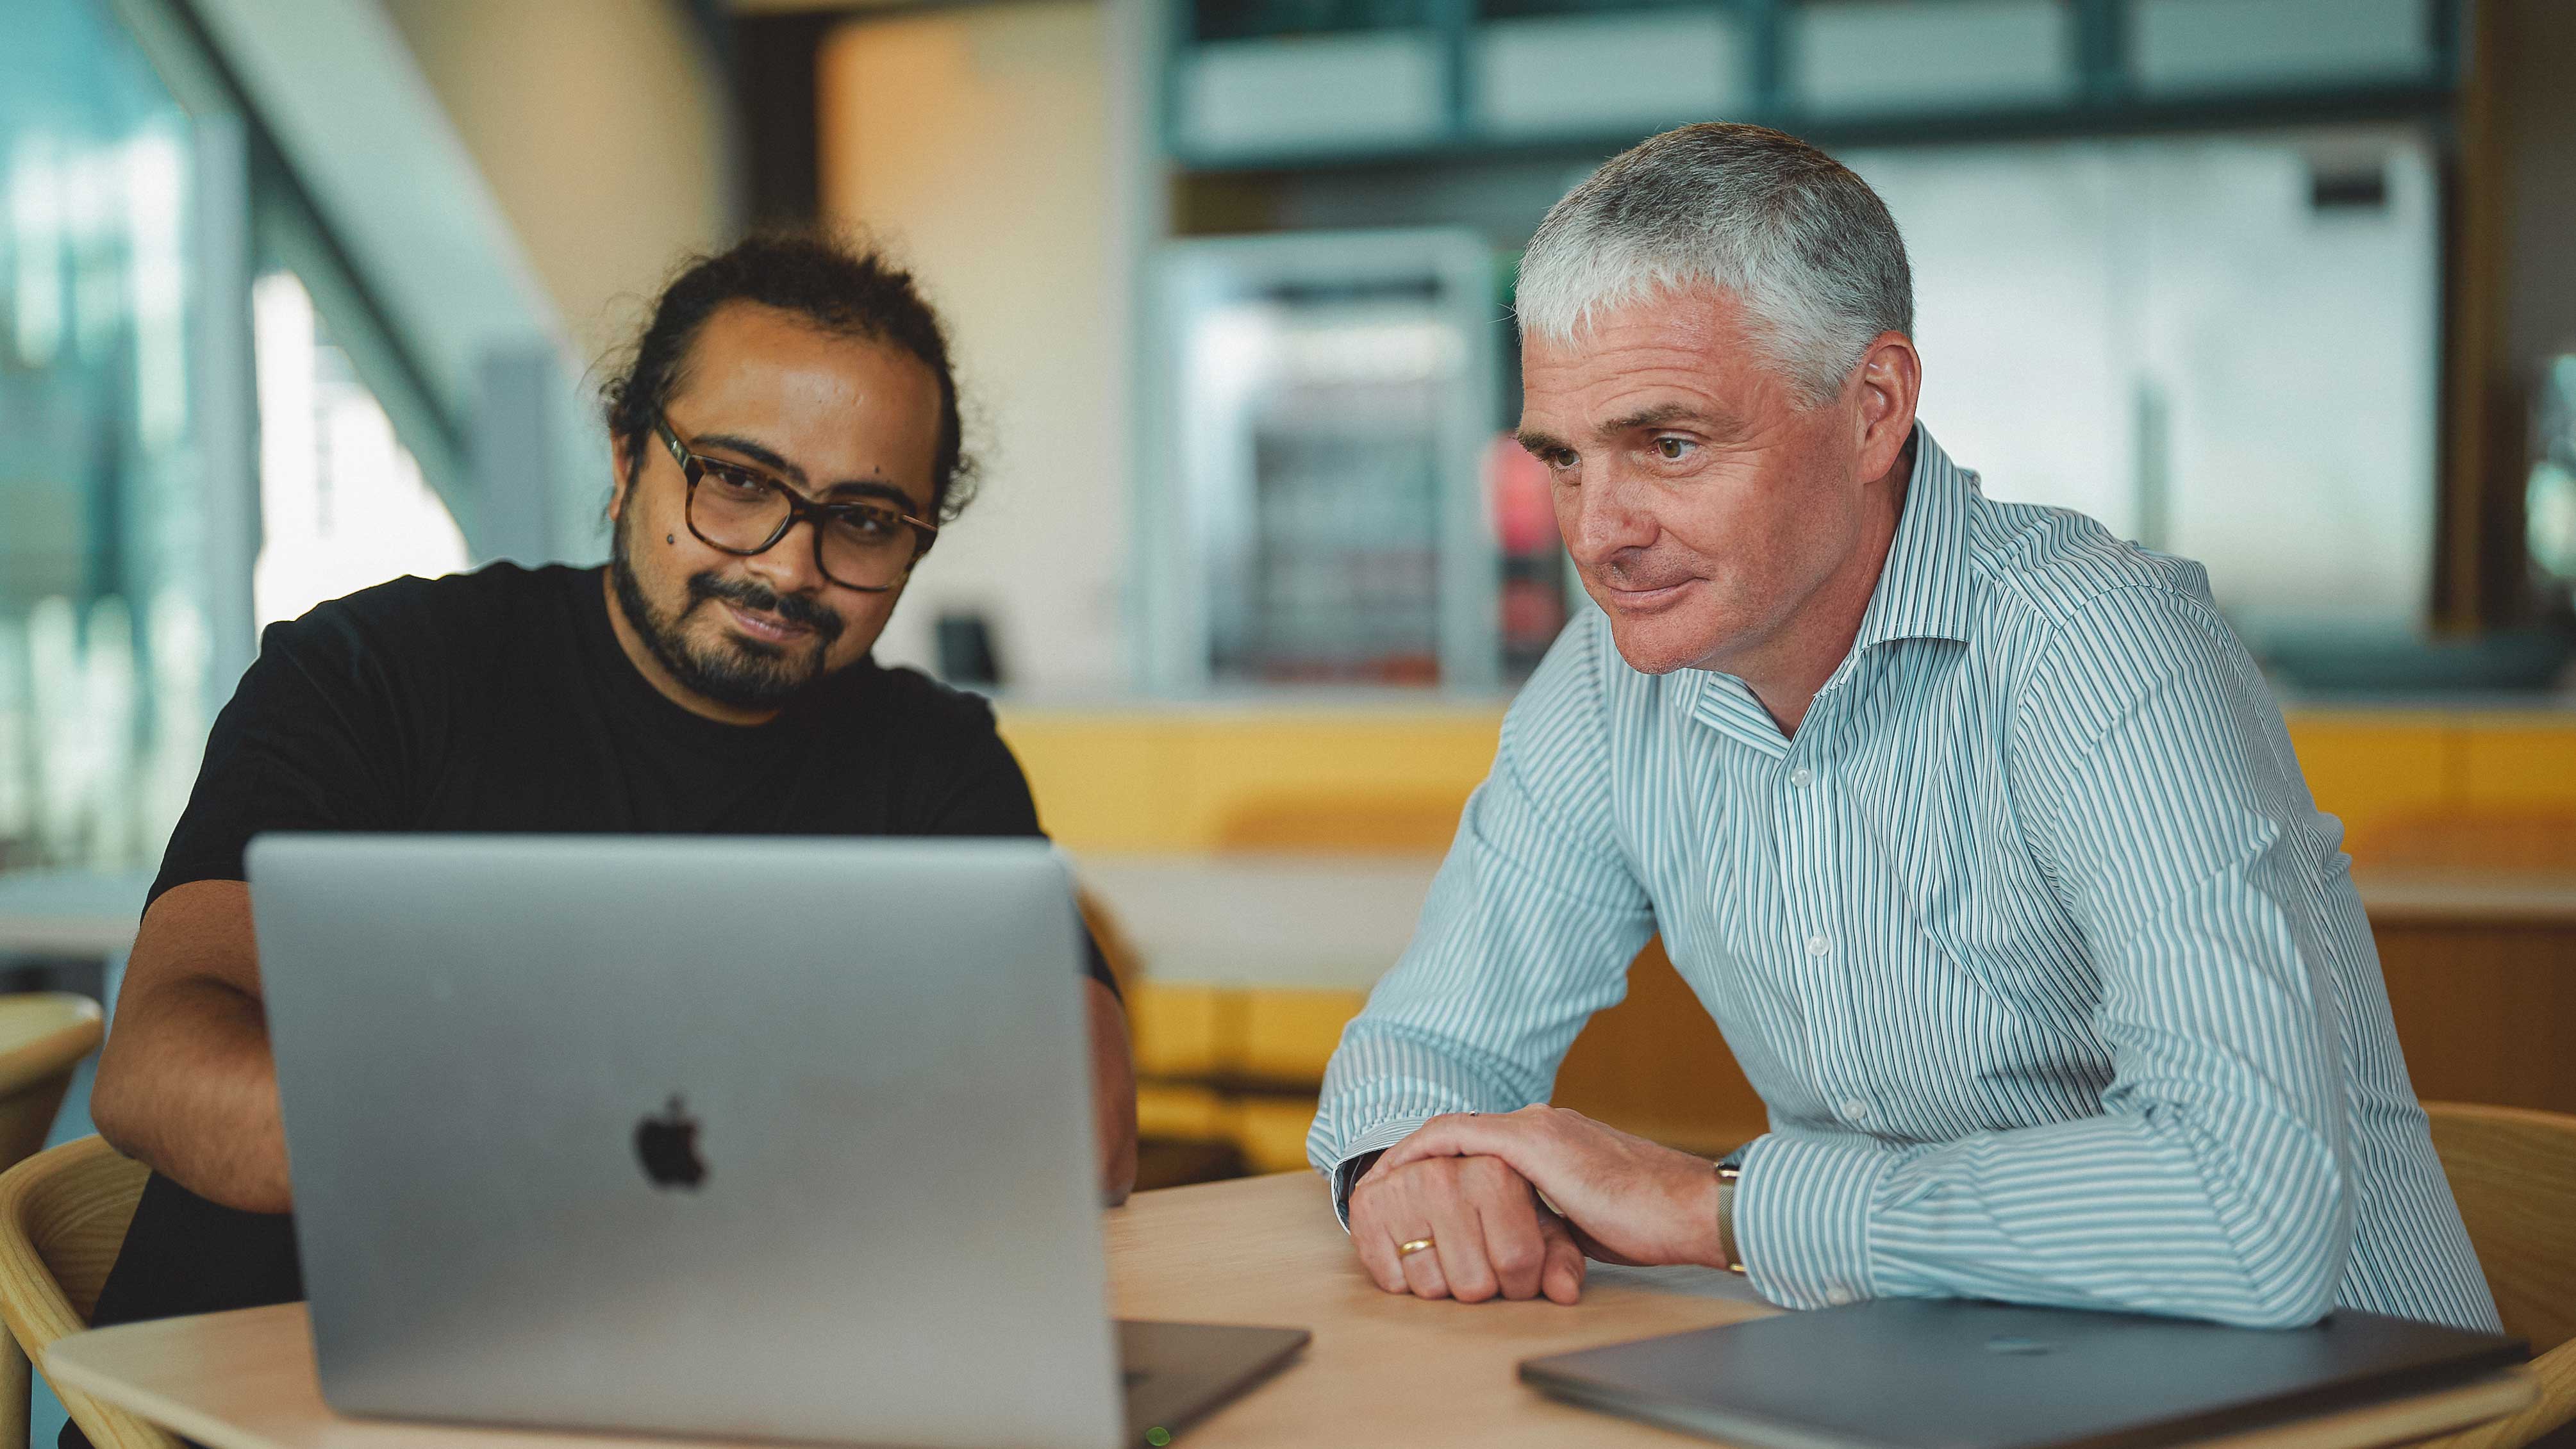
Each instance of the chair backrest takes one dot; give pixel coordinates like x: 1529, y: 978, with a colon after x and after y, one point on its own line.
x: 63, y: 1215
x: 43, y: 1035
x: 2514, y: 1172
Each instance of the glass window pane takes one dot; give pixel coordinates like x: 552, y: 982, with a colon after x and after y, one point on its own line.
x: 342, y: 501
x: 103, y: 602
x: 2220, y: 346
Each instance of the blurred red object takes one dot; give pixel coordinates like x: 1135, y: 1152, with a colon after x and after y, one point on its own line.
x: 1532, y: 613
x: 1516, y: 494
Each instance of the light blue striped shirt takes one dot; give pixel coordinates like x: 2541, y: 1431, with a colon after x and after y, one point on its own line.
x: 2032, y: 939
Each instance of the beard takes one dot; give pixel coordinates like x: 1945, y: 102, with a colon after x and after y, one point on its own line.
x: 739, y: 673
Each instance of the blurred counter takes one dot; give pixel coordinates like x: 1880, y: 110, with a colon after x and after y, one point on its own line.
x: 70, y: 913
x: 1302, y: 922
x: 1154, y: 779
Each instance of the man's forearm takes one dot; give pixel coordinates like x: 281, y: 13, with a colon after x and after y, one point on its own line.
x: 2121, y: 1212
x: 187, y: 1085
x: 1113, y: 1093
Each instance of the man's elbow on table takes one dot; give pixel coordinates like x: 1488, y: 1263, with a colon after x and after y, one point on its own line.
x: 2297, y: 1290
x: 2292, y: 1249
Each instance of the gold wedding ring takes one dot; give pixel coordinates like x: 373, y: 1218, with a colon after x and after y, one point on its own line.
x: 1407, y: 1250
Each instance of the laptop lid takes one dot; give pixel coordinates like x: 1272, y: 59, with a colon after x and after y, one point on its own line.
x: 774, y: 1137
x: 1918, y: 1373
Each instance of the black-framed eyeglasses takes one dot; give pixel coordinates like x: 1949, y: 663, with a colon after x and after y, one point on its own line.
x: 743, y: 511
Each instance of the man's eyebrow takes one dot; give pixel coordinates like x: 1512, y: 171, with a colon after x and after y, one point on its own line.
x: 857, y: 488
x: 1659, y: 416
x: 766, y: 456
x: 770, y: 458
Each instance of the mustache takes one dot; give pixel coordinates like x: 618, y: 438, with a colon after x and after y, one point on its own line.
x: 794, y: 608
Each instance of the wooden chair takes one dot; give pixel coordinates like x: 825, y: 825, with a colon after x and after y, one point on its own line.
x: 2514, y: 1173
x: 63, y: 1215
x: 43, y: 1035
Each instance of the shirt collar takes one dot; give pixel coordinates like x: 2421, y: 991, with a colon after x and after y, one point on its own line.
x: 1922, y: 593
x: 1923, y: 587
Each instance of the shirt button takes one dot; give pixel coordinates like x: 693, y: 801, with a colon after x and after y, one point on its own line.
x: 1838, y: 1295
x: 1856, y: 1109
x: 1818, y: 944
x: 1801, y: 777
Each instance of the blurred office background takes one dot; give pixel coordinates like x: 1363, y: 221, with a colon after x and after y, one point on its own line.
x: 297, y: 295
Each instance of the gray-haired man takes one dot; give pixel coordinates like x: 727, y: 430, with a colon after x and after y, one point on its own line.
x: 1973, y: 827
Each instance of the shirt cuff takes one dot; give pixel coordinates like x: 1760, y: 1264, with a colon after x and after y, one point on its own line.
x: 1802, y: 1213
x: 1359, y: 1153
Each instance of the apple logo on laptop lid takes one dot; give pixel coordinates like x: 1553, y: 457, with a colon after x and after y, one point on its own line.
x: 668, y: 1145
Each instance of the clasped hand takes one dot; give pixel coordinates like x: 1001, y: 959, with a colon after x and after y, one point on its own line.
x: 1514, y: 1203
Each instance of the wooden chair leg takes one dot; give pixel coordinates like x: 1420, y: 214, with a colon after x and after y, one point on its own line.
x: 14, y: 1407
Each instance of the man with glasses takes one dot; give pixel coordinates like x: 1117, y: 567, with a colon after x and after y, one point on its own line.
x: 787, y: 445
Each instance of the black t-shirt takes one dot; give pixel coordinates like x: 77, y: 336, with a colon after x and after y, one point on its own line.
x: 500, y: 701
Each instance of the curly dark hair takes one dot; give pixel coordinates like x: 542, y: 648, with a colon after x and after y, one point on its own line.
x: 836, y: 284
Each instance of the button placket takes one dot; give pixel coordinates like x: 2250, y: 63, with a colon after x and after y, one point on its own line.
x: 1803, y: 823
x: 1806, y: 856
x: 1809, y: 828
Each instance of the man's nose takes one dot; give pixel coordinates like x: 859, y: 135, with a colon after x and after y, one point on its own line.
x: 787, y: 566
x: 1603, y: 518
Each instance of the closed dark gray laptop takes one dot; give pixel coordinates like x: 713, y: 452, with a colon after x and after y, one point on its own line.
x: 769, y: 1138
x: 1915, y: 1373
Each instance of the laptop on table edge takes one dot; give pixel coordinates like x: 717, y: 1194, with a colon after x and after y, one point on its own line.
x: 781, y: 1138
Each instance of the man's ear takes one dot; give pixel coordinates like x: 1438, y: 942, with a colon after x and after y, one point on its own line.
x: 621, y: 454
x: 1891, y: 381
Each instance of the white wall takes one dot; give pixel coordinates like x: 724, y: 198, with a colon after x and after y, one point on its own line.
x: 600, y: 126
x: 994, y: 150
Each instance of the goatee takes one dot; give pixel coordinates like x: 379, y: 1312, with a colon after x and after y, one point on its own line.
x: 735, y: 672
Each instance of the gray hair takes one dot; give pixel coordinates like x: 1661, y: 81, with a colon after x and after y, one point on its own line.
x: 1805, y: 245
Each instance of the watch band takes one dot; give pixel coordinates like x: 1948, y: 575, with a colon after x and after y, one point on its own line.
x: 1730, y: 1170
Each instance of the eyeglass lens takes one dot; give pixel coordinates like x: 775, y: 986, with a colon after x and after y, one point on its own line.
x: 861, y: 546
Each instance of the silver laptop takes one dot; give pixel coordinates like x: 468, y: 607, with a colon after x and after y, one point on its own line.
x: 766, y: 1138
x: 1919, y: 1373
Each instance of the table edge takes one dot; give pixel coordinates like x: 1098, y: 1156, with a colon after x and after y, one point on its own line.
x: 155, y: 1409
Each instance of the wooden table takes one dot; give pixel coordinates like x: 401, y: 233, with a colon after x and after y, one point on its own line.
x: 1382, y: 1370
